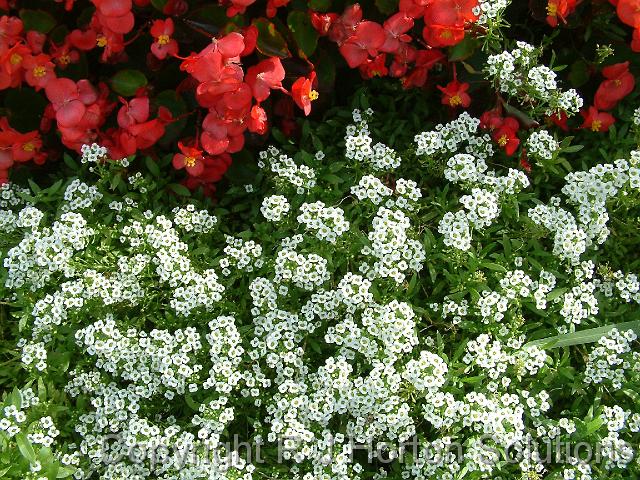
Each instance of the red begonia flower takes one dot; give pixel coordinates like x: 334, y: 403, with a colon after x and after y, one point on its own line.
x: 163, y: 44
x: 65, y: 98
x: 597, y: 121
x: 366, y: 40
x: 620, y: 83
x: 265, y: 76
x: 454, y: 94
x: 189, y: 158
x: 303, y: 94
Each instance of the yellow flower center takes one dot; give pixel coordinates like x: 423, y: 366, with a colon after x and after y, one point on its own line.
x: 101, y: 41
x: 552, y: 9
x: 617, y: 82
x: 189, y: 162
x: 596, y: 125
x: 28, y: 147
x: 455, y: 101
x: 163, y: 39
x: 64, y: 59
x: 503, y: 140
x: 313, y: 95
x: 446, y: 34
x: 39, y: 71
x: 15, y: 59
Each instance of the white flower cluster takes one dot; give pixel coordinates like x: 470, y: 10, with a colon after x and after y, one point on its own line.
x: 241, y: 255
x: 10, y: 200
x: 570, y: 241
x: 579, y: 303
x: 483, y: 204
x: 43, y: 432
x: 45, y: 251
x: 93, y: 153
x: 327, y: 223
x: 429, y: 372
x: 482, y: 207
x: 386, y: 331
x: 13, y: 416
x: 372, y: 189
x: 287, y: 171
x: 78, y: 195
x: 490, y: 11
x: 613, y: 359
x: 391, y: 246
x: 448, y: 138
x: 359, y: 146
x: 191, y: 220
x: 304, y: 271
x: 517, y: 73
x: 275, y: 207
x: 541, y: 144
x: 589, y: 191
x: 628, y: 286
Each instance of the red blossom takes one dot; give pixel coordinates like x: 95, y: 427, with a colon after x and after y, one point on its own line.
x: 506, y: 135
x: 559, y: 10
x: 303, y: 94
x: 115, y: 15
x: 597, y: 121
x: 345, y: 25
x: 257, y: 121
x: 189, y: 158
x: 322, y: 22
x: 163, y: 45
x: 17, y: 147
x: 273, y: 5
x: 618, y: 84
x: 629, y: 12
x: 38, y: 70
x: 64, y: 96
x: 366, y: 40
x: 559, y: 120
x: 396, y: 28
x: 10, y: 30
x: 238, y: 7
x: 264, y: 77
x: 454, y: 94
x: 374, y: 67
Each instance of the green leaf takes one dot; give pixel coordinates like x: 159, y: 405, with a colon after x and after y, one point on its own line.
x: 579, y: 73
x: 303, y: 32
x: 159, y: 4
x: 270, y: 42
x: 590, y: 335
x: 64, y: 472
x: 180, y: 189
x: 25, y: 447
x: 387, y: 7
x: 319, y: 5
x: 70, y: 162
x: 34, y: 186
x: 37, y: 20
x: 152, y: 166
x: 127, y: 82
x: 463, y: 50
x: 496, y: 267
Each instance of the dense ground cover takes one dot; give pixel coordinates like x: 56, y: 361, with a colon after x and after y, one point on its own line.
x: 320, y: 240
